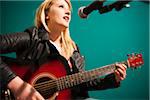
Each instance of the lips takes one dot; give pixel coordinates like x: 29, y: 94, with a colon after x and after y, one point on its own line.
x: 66, y: 18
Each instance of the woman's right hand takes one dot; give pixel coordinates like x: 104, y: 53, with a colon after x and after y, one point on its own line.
x: 23, y: 90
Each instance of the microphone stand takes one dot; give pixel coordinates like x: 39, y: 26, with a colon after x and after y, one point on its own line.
x: 118, y: 5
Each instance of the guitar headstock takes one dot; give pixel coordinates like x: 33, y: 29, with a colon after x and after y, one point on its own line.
x: 135, y: 60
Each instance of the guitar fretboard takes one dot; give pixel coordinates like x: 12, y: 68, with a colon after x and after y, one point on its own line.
x: 81, y: 77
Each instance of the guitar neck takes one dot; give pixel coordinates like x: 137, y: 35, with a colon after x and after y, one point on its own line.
x: 85, y: 76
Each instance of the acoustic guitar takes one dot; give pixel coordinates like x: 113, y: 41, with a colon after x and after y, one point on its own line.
x: 52, y: 82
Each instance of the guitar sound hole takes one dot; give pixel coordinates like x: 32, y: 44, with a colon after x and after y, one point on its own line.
x: 45, y: 86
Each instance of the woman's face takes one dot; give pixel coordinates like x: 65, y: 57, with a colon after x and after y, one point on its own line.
x: 59, y: 14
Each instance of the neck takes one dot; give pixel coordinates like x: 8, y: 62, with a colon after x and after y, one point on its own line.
x: 55, y: 35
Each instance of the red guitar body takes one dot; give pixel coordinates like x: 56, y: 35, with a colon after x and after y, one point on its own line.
x: 52, y: 69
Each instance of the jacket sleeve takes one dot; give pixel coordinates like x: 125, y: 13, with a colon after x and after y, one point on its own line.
x: 11, y: 43
x: 6, y: 75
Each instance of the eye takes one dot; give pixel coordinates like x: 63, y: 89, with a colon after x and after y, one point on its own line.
x: 61, y: 6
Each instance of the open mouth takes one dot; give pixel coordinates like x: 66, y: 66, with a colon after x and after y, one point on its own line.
x: 66, y: 18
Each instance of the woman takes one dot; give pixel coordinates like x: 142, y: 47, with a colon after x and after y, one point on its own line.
x: 50, y: 36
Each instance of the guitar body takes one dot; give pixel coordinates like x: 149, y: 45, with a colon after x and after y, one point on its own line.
x: 49, y: 71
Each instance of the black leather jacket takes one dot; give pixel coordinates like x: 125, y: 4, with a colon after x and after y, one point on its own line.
x: 33, y: 45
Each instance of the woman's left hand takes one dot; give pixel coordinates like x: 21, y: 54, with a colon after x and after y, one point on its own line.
x: 120, y: 72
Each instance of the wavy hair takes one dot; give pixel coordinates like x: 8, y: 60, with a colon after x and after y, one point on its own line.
x: 67, y: 43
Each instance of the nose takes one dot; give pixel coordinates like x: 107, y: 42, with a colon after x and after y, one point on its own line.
x: 68, y: 12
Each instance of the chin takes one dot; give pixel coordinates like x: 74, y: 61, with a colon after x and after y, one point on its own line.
x: 65, y: 26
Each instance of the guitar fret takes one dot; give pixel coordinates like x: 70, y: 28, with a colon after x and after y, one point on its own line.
x: 67, y: 81
x: 62, y: 82
x: 96, y: 73
x: 80, y: 78
x: 86, y: 76
x: 58, y: 84
x: 92, y: 74
x: 77, y: 75
x: 89, y: 75
x: 76, y: 78
x: 71, y: 81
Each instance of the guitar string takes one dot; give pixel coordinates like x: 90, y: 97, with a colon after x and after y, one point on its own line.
x: 46, y: 93
x: 46, y: 87
x: 68, y: 78
x: 43, y: 83
x: 74, y: 75
x: 60, y: 79
x: 51, y: 83
x: 47, y: 84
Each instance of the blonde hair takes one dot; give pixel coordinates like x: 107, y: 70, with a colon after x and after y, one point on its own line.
x: 66, y: 41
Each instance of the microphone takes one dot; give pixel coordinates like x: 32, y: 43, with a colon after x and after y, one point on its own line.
x: 84, y: 11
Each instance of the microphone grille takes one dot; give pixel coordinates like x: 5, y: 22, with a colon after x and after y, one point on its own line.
x: 80, y: 12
